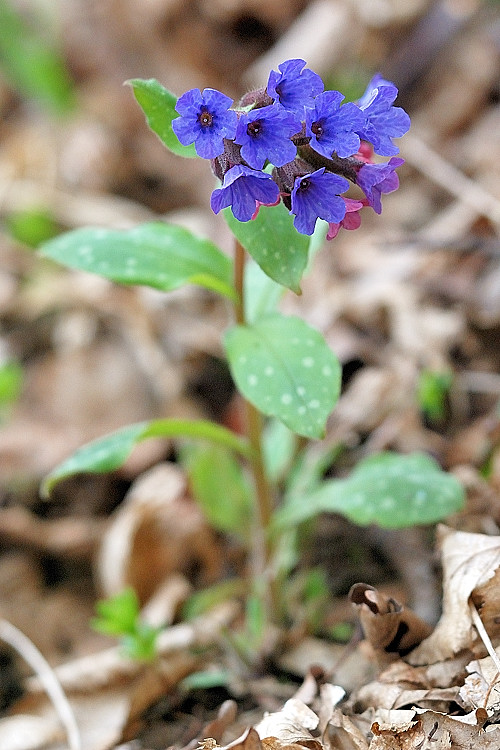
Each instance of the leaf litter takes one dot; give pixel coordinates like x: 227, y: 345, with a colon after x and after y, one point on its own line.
x: 418, y: 290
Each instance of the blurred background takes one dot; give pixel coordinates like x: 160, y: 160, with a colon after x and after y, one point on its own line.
x: 410, y: 302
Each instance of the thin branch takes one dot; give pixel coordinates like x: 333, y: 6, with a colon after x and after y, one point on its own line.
x: 15, y: 638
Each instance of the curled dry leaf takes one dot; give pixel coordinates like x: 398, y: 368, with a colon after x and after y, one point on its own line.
x: 469, y: 561
x: 158, y: 530
x: 433, y: 730
x: 388, y: 626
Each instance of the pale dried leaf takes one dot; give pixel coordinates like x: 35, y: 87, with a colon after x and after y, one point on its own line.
x: 293, y: 724
x: 342, y: 733
x: 24, y: 732
x: 469, y: 560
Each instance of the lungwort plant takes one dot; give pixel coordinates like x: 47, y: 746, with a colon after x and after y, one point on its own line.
x: 285, y: 158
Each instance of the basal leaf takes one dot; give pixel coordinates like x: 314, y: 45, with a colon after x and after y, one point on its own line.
x: 274, y: 244
x: 158, y: 104
x: 111, y: 451
x: 163, y: 256
x: 391, y: 490
x: 285, y: 368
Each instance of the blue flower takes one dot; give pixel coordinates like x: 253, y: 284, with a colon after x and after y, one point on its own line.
x: 332, y: 127
x: 376, y: 179
x: 316, y: 195
x: 264, y: 134
x: 383, y: 121
x: 293, y: 87
x: 244, y: 190
x: 205, y: 120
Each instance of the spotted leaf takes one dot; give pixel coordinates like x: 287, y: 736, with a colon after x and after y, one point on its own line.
x: 274, y: 244
x: 163, y: 256
x: 285, y: 368
x: 111, y: 451
x: 388, y: 489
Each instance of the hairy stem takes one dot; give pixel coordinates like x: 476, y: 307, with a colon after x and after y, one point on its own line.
x: 261, y: 552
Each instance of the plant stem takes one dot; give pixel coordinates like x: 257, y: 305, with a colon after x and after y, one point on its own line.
x: 261, y: 553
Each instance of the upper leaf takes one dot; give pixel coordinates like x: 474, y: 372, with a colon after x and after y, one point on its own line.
x: 158, y: 104
x: 285, y: 368
x: 163, y: 256
x: 388, y: 489
x: 274, y: 244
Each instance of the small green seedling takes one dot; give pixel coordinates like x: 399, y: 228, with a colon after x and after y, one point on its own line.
x: 432, y: 391
x: 119, y: 616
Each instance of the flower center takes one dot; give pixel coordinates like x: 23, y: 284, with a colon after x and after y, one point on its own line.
x: 254, y: 128
x: 304, y: 184
x: 317, y: 129
x: 205, y: 118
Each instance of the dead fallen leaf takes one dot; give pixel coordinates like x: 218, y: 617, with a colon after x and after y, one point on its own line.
x: 469, y: 560
x: 158, y: 530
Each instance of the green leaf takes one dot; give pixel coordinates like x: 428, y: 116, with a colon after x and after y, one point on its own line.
x: 388, y: 489
x: 224, y: 495
x: 110, y: 452
x: 11, y: 380
x: 208, y: 597
x: 285, y: 368
x: 158, y: 104
x: 279, y: 445
x: 274, y: 243
x: 32, y: 226
x: 261, y: 293
x: 163, y: 256
x: 117, y: 615
x: 31, y: 62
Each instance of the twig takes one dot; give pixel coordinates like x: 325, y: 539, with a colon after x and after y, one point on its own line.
x: 478, y: 623
x: 15, y: 638
x: 440, y: 171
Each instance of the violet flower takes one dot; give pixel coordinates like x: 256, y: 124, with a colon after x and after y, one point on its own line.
x: 244, y: 189
x: 205, y: 120
x: 376, y: 179
x: 316, y: 196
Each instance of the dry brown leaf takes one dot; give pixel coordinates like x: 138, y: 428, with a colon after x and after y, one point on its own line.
x: 469, y: 560
x: 156, y: 531
x: 344, y: 734
x: 389, y: 627
x: 436, y: 731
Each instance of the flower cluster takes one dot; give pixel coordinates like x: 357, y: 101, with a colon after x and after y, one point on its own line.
x: 293, y: 141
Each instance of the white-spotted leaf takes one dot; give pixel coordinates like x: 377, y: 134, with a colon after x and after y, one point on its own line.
x: 158, y: 104
x: 111, y: 451
x: 391, y: 490
x: 163, y: 256
x: 285, y: 368
x: 274, y: 243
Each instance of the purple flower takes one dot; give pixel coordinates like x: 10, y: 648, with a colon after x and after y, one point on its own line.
x: 264, y: 134
x: 244, y: 190
x: 205, y: 120
x: 316, y: 195
x: 375, y: 179
x: 293, y: 87
x: 383, y: 121
x: 332, y: 127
